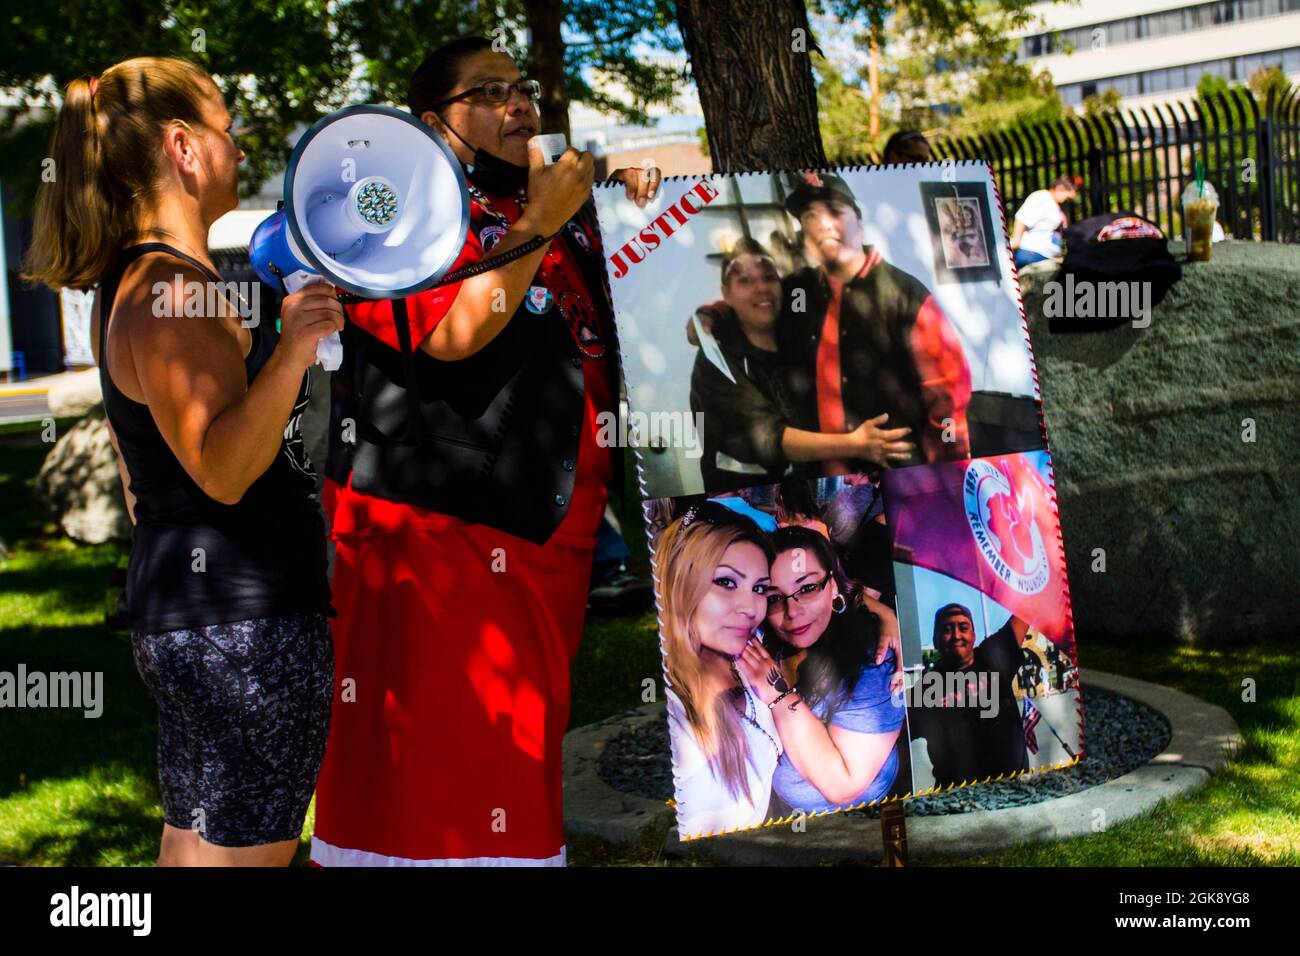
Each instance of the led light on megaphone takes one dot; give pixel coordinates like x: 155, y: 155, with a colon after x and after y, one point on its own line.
x: 339, y: 223
x: 376, y: 203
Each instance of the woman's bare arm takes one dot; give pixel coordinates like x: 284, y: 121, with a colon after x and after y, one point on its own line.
x: 840, y: 763
x: 485, y: 303
x: 190, y: 371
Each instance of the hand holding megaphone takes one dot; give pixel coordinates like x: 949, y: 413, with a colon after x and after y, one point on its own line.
x: 310, y: 321
x: 277, y: 261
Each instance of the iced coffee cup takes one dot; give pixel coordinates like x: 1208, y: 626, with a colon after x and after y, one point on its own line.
x: 1200, y: 208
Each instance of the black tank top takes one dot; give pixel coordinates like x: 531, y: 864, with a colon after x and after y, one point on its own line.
x: 195, y: 561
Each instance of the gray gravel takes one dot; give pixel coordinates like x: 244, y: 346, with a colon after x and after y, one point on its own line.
x: 1121, y: 736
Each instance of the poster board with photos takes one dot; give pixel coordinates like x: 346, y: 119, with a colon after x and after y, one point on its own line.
x: 852, y: 609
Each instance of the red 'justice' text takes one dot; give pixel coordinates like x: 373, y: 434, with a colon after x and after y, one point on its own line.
x: 661, y: 227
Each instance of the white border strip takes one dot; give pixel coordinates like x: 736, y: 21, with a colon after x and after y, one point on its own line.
x: 326, y: 854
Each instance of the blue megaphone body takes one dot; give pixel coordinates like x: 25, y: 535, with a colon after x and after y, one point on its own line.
x: 271, y: 252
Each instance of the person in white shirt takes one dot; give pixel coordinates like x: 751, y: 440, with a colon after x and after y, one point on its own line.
x: 1036, y: 234
x: 713, y: 566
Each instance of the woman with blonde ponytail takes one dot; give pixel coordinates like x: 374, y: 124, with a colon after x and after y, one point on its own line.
x: 226, y: 591
x: 712, y: 566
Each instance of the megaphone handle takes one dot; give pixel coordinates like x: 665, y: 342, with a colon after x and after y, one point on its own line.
x: 296, y: 280
x: 329, y: 350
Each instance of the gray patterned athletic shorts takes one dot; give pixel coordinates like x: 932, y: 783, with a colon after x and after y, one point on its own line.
x: 243, y: 712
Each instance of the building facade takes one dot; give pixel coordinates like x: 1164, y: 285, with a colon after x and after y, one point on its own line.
x: 1155, y: 50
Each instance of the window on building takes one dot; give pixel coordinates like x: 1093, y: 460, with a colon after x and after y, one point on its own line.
x: 1165, y: 24
x: 1189, y: 18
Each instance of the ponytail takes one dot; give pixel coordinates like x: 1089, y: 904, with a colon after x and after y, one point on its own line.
x: 105, y: 152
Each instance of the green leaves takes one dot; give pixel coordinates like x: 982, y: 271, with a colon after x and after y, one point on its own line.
x: 282, y: 64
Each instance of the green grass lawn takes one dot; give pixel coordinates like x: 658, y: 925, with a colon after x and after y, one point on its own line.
x: 1248, y: 814
x: 83, y: 792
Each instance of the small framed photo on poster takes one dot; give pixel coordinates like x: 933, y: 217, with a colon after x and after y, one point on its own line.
x: 961, y: 230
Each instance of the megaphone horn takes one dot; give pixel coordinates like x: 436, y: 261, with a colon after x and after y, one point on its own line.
x: 375, y: 202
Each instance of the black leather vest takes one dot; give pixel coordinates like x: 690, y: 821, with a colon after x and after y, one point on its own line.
x: 492, y: 438
x: 496, y: 441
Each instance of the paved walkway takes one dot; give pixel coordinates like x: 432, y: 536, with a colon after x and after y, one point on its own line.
x: 26, y: 401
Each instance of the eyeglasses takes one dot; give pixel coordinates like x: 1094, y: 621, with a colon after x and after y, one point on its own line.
x: 777, y: 600
x: 496, y: 92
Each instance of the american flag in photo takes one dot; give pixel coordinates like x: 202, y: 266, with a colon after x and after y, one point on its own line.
x: 1032, y: 716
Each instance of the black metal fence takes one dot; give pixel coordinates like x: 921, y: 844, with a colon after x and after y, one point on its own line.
x: 1141, y: 160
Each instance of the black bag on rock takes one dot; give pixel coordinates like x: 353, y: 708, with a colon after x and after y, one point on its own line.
x: 1116, y: 263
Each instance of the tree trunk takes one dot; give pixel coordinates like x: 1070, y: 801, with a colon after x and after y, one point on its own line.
x: 752, y: 69
x: 546, y: 63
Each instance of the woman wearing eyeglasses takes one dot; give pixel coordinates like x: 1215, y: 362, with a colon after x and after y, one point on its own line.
x: 466, y: 488
x: 826, y: 680
x: 713, y: 568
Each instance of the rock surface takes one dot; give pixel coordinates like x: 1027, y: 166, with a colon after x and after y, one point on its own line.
x: 1150, y: 432
x: 75, y: 393
x: 79, y: 483
x: 1122, y: 735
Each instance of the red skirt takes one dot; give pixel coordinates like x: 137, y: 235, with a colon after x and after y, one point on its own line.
x: 452, y: 652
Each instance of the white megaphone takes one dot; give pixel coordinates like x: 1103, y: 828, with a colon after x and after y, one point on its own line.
x: 374, y: 201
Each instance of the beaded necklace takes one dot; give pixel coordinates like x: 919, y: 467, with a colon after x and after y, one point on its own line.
x: 521, y: 199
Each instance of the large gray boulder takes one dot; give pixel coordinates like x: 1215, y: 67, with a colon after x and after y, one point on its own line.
x: 74, y: 393
x: 1150, y: 431
x: 79, y: 483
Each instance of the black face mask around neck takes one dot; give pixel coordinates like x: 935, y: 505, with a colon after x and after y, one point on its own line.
x: 492, y: 173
